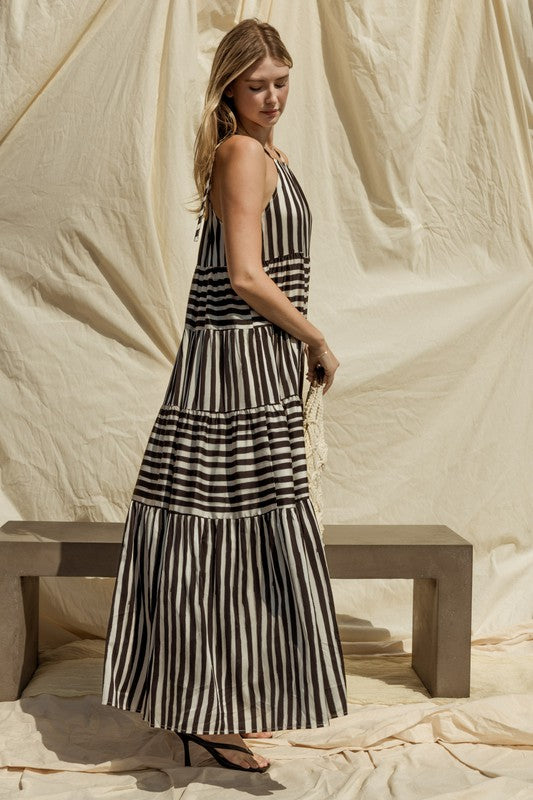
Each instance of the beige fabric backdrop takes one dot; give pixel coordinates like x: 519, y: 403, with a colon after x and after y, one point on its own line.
x: 408, y: 126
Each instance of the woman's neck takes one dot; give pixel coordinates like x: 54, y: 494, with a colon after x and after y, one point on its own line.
x: 267, y: 141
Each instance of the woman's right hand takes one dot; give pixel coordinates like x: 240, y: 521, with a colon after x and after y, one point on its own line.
x: 321, y: 357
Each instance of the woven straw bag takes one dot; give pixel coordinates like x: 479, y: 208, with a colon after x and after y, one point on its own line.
x: 315, y: 446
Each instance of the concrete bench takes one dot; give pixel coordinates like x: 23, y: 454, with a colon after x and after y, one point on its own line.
x: 439, y: 562
x: 437, y: 559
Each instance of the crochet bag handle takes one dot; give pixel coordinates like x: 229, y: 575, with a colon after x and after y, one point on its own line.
x: 315, y: 446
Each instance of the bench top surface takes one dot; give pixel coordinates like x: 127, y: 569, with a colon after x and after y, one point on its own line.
x: 112, y: 532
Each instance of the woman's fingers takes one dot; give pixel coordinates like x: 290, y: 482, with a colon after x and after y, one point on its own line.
x: 321, y: 367
x: 322, y: 370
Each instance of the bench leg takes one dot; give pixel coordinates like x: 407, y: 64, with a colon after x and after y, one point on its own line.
x: 19, y: 633
x: 442, y: 614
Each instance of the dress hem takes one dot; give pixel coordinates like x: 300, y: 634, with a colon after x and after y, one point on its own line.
x: 316, y: 724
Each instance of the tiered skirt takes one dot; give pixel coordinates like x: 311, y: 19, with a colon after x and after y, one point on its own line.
x: 222, y: 619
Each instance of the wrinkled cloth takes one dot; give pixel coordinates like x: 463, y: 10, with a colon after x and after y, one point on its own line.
x: 411, y: 130
x: 382, y: 748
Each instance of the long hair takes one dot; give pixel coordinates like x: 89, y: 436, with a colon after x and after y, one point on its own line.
x: 247, y: 42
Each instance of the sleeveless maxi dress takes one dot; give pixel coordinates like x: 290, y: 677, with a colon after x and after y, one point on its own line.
x: 222, y: 618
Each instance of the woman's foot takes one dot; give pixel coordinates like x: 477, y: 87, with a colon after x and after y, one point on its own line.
x: 258, y: 735
x: 235, y: 756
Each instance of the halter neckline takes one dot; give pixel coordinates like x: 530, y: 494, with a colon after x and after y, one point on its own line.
x: 278, y: 160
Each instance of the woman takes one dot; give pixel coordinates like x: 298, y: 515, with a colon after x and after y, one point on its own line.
x: 222, y: 623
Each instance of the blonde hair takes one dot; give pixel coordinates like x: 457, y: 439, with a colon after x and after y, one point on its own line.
x: 247, y: 42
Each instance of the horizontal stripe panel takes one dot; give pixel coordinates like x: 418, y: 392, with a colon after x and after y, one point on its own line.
x: 212, y: 299
x: 238, y: 463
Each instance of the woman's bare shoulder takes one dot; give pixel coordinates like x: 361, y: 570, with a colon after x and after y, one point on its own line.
x: 237, y: 146
x: 239, y: 173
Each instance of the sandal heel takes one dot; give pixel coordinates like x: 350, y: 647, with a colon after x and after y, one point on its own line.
x: 185, y: 739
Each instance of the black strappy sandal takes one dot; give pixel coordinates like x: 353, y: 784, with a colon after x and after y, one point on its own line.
x: 211, y: 748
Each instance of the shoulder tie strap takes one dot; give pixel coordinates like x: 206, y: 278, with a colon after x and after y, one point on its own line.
x: 204, y: 198
x: 202, y: 208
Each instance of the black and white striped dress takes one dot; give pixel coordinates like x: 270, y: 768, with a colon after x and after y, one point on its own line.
x: 222, y: 618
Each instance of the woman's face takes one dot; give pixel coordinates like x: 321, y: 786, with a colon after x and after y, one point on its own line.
x: 261, y: 88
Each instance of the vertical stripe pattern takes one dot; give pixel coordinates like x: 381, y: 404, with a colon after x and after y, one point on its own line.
x: 222, y: 617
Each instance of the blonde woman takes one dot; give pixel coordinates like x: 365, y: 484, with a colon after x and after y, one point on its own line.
x: 222, y: 624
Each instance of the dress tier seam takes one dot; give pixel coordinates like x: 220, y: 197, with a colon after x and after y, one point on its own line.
x: 278, y: 406
x: 302, y: 498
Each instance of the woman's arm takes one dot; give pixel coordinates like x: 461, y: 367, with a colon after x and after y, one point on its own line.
x: 242, y: 173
